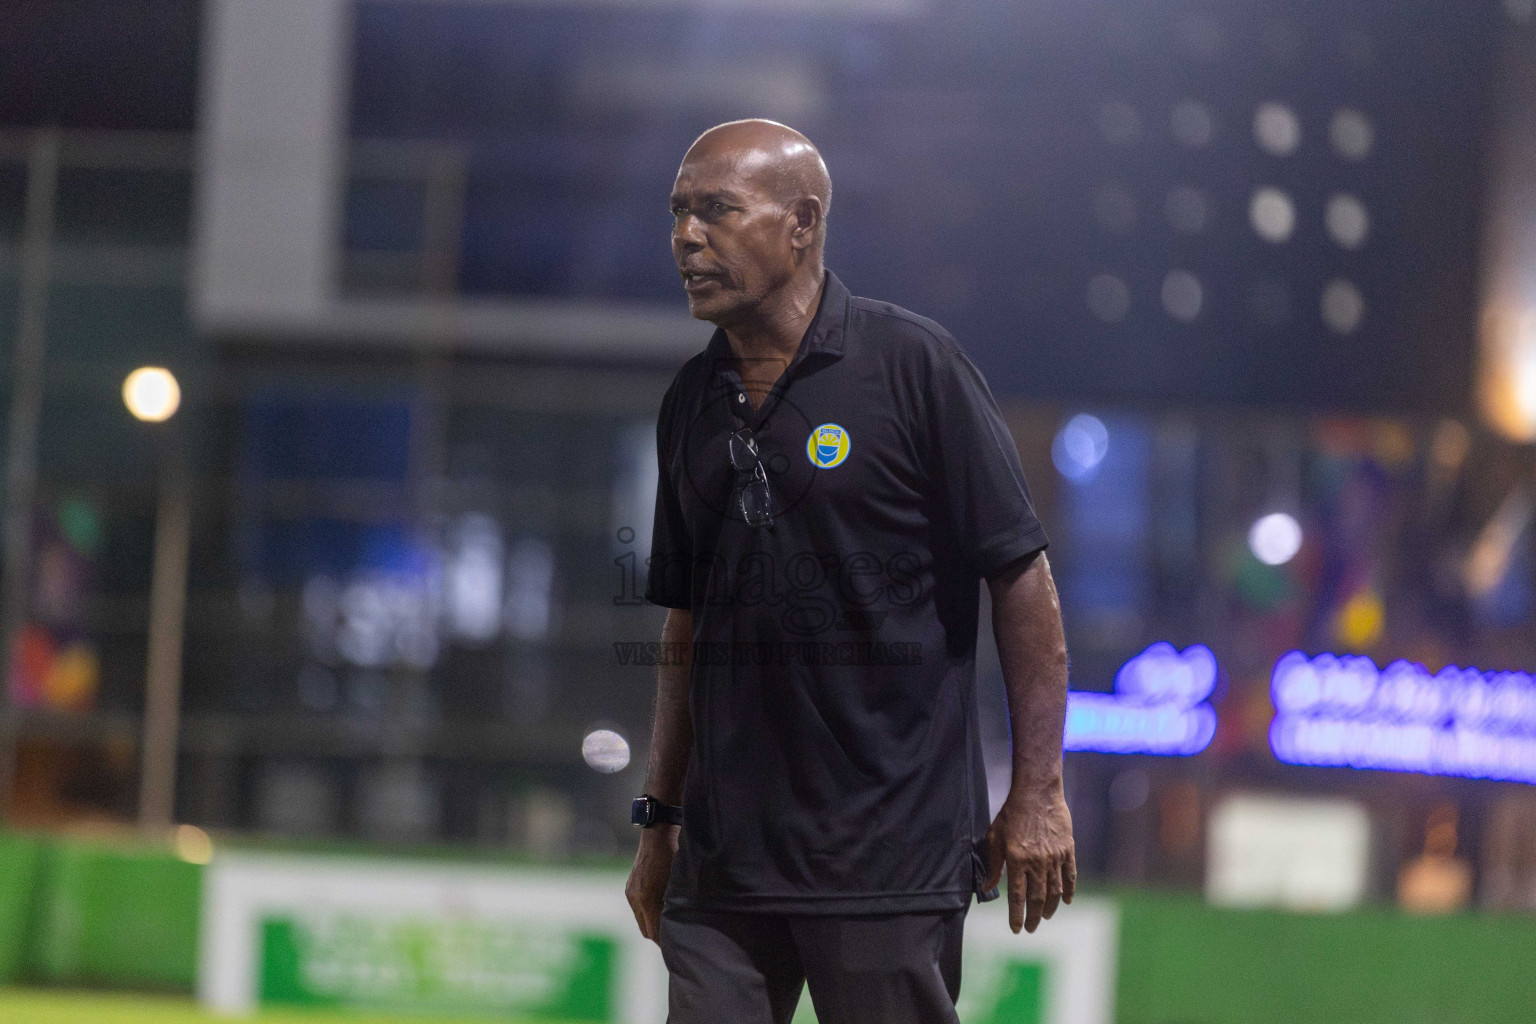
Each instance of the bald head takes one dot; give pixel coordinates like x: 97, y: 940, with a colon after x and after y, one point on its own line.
x: 780, y: 159
x: 749, y: 210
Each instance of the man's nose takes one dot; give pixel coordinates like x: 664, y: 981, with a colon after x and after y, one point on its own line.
x: 687, y: 234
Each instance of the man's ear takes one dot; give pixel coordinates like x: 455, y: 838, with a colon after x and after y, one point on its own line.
x: 808, y: 214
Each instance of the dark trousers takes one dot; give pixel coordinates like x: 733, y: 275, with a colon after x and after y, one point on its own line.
x: 743, y: 968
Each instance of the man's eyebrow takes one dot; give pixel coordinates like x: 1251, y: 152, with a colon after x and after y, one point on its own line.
x: 727, y: 197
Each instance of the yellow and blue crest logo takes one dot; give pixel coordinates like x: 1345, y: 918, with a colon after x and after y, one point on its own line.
x: 827, y: 446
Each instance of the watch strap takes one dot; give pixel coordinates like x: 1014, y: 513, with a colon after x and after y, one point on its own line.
x: 647, y: 812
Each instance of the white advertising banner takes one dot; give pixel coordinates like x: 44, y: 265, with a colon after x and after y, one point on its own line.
x: 533, y: 944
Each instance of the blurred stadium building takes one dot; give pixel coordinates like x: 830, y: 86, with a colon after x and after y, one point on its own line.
x: 1252, y: 280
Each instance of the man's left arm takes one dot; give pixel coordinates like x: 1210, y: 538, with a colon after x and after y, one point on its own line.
x: 1032, y: 833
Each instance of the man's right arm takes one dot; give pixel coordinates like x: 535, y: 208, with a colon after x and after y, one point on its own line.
x: 671, y: 742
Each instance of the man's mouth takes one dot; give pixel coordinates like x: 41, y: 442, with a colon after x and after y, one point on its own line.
x: 694, y: 279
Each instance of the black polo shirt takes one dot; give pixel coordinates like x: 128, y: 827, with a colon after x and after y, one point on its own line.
x: 836, y: 765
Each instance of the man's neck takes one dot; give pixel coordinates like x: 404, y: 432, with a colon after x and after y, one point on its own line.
x: 765, y: 346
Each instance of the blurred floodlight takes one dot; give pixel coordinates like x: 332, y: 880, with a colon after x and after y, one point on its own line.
x: 1182, y: 295
x: 1080, y: 446
x: 1351, y: 134
x: 1119, y: 123
x: 192, y: 844
x: 1187, y: 210
x: 1275, y: 538
x: 1347, y: 220
x: 1272, y: 214
x: 1108, y: 298
x: 474, y: 579
x: 1525, y: 387
x: 1521, y: 10
x: 151, y: 394
x: 1343, y: 306
x: 1270, y: 302
x: 1191, y: 123
x: 1114, y: 208
x: 1276, y: 129
x: 605, y: 750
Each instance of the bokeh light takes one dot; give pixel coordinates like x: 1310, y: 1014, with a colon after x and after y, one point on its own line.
x: 1274, y: 539
x: 1276, y: 129
x: 605, y: 751
x: 192, y: 844
x: 1347, y: 221
x: 1351, y: 133
x: 1343, y: 306
x: 1272, y: 214
x: 1192, y: 123
x: 1361, y: 621
x: 152, y: 394
x: 1108, y: 298
x: 1080, y: 445
x: 1183, y: 295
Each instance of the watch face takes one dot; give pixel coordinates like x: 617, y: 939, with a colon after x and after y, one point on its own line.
x: 640, y: 811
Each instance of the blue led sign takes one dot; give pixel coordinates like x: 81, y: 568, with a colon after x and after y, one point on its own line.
x: 1158, y: 706
x: 1345, y: 711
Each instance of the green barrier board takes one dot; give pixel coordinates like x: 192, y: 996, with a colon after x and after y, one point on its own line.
x: 113, y: 916
x: 438, y: 967
x: 78, y: 913
x: 19, y: 859
x: 1182, y: 962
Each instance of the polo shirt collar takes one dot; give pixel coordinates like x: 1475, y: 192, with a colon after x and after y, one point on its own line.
x: 824, y: 336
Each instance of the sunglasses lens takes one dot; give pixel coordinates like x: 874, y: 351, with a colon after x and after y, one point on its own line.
x: 743, y: 451
x: 757, y: 503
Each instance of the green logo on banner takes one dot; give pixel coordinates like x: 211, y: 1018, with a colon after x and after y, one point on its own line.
x: 437, y: 966
x: 994, y: 990
x: 1018, y: 998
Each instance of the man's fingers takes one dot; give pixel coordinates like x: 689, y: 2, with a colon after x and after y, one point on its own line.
x: 1052, y: 889
x: 645, y: 915
x: 1018, y: 891
x: 634, y: 907
x: 646, y: 931
x: 1069, y: 875
x: 1035, y: 903
x: 652, y: 927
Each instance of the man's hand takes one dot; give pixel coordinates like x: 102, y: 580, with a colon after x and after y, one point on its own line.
x: 648, y: 878
x: 1033, y: 836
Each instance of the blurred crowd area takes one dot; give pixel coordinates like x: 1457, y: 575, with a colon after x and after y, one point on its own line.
x: 1219, y: 263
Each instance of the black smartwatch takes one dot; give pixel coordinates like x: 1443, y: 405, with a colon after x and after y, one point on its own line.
x: 647, y: 812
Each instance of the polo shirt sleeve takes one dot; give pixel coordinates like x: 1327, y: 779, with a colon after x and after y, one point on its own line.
x: 668, y: 581
x: 975, y: 466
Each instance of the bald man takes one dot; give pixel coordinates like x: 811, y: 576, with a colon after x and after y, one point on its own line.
x: 835, y: 483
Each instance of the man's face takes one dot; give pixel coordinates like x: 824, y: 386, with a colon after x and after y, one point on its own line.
x: 730, y: 237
